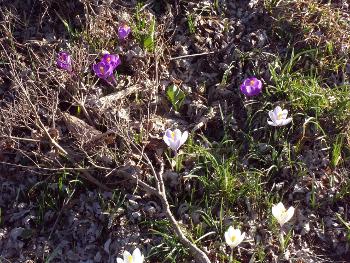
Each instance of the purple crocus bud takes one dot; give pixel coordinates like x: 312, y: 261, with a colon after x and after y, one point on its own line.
x: 123, y: 31
x: 103, y: 70
x: 114, y: 60
x: 251, y: 87
x: 64, y: 61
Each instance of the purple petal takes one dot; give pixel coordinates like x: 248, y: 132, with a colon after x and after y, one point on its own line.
x: 103, y: 70
x: 111, y: 59
x: 64, y: 61
x: 123, y: 31
x: 251, y: 87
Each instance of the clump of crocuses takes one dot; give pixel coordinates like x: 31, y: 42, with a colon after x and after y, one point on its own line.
x: 64, y: 61
x: 123, y: 31
x: 104, y: 69
x: 251, y: 87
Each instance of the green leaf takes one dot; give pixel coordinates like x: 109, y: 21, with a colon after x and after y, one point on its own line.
x: 176, y: 96
x: 148, y: 42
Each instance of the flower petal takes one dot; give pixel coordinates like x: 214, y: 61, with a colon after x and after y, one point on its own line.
x: 168, y: 133
x: 247, y: 81
x: 167, y: 140
x: 184, y: 138
x: 290, y: 213
x: 239, y: 239
x: 280, y: 122
x: 119, y: 260
x: 284, y: 114
x: 168, y: 137
x: 126, y: 256
x: 277, y: 210
x: 272, y: 116
x: 277, y: 110
x: 258, y: 84
x: 228, y: 238
x: 286, y: 121
x: 136, y: 255
x: 231, y: 231
x: 178, y: 135
x: 271, y: 123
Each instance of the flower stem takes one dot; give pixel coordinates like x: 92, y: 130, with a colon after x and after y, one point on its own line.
x: 231, y: 256
x: 282, y: 248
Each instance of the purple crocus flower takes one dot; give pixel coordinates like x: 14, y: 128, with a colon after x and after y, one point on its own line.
x: 103, y: 70
x: 113, y: 60
x: 64, y: 61
x: 123, y: 31
x: 251, y: 87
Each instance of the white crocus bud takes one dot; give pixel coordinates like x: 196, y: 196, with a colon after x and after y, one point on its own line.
x: 233, y: 237
x: 282, y: 214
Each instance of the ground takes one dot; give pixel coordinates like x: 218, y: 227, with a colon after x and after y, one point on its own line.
x: 82, y: 161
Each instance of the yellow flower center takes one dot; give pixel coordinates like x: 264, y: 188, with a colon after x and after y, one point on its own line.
x: 102, y: 69
x: 283, y: 213
x: 280, y: 115
x: 173, y: 135
x: 233, y: 238
x: 130, y: 260
x: 108, y: 59
x: 252, y: 82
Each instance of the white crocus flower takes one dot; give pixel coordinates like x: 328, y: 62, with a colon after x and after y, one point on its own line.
x: 174, y: 139
x: 136, y: 257
x: 278, y: 117
x: 282, y: 214
x: 233, y: 237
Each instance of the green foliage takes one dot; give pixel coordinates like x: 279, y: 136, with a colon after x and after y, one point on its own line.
x: 170, y: 250
x: 144, y: 29
x: 337, y: 149
x: 176, y: 96
x: 305, y: 91
x: 73, y: 33
x: 347, y: 226
x: 191, y: 24
x: 53, y: 194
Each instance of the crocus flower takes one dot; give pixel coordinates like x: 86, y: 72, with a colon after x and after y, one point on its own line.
x: 64, y: 61
x: 103, y: 70
x: 233, y: 237
x: 136, y: 257
x: 174, y: 139
x: 123, y: 31
x: 114, y: 60
x: 278, y: 117
x: 251, y: 87
x: 281, y: 214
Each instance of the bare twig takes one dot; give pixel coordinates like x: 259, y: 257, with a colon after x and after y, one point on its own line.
x: 193, y: 55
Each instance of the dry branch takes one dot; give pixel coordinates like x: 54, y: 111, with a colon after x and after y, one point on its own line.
x: 112, y: 99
